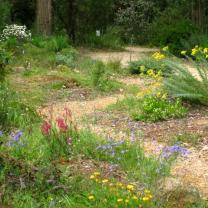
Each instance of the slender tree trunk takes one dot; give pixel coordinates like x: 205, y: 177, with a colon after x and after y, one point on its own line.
x: 72, y: 20
x: 198, y: 14
x: 44, y: 17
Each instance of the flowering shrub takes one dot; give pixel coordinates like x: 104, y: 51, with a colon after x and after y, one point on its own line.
x: 152, y: 109
x: 15, y: 31
x: 155, y: 63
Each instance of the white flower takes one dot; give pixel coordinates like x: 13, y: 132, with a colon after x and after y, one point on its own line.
x: 16, y: 31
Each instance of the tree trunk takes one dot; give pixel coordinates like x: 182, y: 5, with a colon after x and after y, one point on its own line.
x: 72, y: 20
x: 198, y: 14
x: 44, y: 17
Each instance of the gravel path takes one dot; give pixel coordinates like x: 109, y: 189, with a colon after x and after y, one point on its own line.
x: 193, y: 171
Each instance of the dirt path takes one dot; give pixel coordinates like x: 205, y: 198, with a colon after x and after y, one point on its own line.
x: 130, y: 54
x: 193, y: 171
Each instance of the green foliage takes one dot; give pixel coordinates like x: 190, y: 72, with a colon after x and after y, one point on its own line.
x: 67, y: 57
x: 13, y: 112
x: 57, y: 43
x: 153, y: 109
x: 134, y: 17
x: 194, y: 40
x: 108, y: 40
x: 147, y: 63
x: 5, y: 7
x: 170, y: 29
x: 54, y: 43
x: 189, y: 84
x: 187, y: 138
x: 38, y: 41
x: 101, y: 78
x: 150, y: 108
x: 5, y: 57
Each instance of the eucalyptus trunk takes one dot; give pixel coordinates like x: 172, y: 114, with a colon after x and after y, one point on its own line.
x: 44, y: 17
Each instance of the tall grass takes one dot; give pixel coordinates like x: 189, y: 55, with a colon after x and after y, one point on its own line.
x: 188, y: 84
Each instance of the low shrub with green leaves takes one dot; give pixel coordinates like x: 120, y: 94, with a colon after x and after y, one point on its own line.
x: 154, y: 109
x: 189, y: 83
x: 147, y: 63
x: 66, y: 57
x: 150, y: 108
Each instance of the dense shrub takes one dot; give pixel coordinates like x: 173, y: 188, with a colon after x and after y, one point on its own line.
x: 5, y: 8
x: 109, y: 40
x: 66, y: 57
x: 135, y: 17
x: 170, y: 29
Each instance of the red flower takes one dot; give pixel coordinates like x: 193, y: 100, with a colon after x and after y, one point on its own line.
x: 45, y: 128
x: 61, y: 124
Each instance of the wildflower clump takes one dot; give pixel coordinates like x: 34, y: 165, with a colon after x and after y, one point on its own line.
x: 198, y: 53
x: 123, y: 194
x: 154, y: 103
x: 58, y: 134
x: 158, y: 56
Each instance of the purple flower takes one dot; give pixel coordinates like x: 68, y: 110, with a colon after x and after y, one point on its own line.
x: 1, y: 134
x: 17, y: 136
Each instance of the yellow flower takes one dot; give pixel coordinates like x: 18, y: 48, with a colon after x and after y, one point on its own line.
x: 183, y: 53
x: 146, y: 191
x: 119, y: 184
x: 159, y: 94
x: 97, y: 173
x: 96, y: 180
x: 158, y: 56
x: 126, y: 201
x: 91, y: 197
x: 105, y: 181
x: 145, y: 198
x: 205, y: 50
x: 164, y: 96
x: 130, y: 187
x: 150, y: 196
x: 150, y: 72
x: 135, y: 197
x: 119, y: 200
x: 194, y: 51
x: 165, y: 48
x: 92, y: 177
